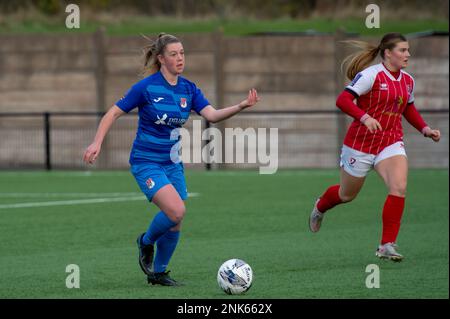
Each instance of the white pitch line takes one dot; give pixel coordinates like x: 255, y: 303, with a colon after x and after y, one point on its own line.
x: 72, y: 202
x: 41, y: 195
x: 79, y: 201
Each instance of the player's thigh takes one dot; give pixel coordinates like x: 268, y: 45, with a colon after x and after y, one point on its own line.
x: 170, y: 202
x: 394, y: 172
x: 150, y: 177
x: 155, y: 184
x: 349, y: 186
x: 355, y: 165
x: 175, y: 174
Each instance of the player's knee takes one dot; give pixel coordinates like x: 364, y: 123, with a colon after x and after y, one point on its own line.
x: 177, y: 227
x: 398, y: 189
x: 177, y: 212
x: 345, y: 198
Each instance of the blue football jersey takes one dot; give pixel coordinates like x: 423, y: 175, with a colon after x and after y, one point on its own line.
x: 162, y: 108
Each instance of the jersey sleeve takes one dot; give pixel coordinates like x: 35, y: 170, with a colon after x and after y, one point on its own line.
x: 414, y: 118
x: 411, y: 94
x: 132, y: 99
x: 345, y: 103
x: 199, y: 102
x: 363, y: 82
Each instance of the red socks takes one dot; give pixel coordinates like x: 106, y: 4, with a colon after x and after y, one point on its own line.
x: 392, y: 215
x: 329, y: 199
x: 392, y: 211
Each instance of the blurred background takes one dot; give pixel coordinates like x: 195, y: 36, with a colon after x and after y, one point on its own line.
x: 55, y: 82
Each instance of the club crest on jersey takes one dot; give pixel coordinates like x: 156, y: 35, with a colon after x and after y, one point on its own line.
x: 183, y: 102
x: 150, y: 183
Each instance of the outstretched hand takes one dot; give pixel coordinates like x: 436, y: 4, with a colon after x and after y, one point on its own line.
x: 251, y: 99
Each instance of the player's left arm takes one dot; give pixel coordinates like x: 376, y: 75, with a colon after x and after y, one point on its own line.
x: 415, y: 119
x: 214, y: 115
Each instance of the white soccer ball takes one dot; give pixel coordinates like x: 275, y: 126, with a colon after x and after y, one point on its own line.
x: 235, y: 276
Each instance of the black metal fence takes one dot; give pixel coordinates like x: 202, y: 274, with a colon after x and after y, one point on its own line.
x: 309, y: 138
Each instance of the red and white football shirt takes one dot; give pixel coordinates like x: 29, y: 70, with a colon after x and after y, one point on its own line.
x: 384, y: 98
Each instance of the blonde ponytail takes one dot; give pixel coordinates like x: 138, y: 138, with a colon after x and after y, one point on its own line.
x: 360, y: 60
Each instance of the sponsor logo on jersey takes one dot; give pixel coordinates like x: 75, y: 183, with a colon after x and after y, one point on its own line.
x: 357, y: 77
x: 395, y: 114
x: 150, y: 183
x: 161, y: 120
x: 183, y: 102
x: 383, y: 86
x: 165, y: 120
x: 158, y: 99
x: 176, y: 121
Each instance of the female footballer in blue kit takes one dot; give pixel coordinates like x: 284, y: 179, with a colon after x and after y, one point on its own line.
x: 164, y: 100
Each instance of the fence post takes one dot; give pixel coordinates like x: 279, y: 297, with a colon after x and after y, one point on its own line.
x: 100, y: 67
x: 339, y: 80
x: 219, y: 78
x: 100, y: 80
x: 47, y: 141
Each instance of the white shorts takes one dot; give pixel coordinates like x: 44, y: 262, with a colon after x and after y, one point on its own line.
x: 358, y: 164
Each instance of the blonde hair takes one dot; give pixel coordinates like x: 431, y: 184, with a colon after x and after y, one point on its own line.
x: 360, y: 60
x: 153, y: 49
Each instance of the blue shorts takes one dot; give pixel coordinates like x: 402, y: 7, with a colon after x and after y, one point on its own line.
x: 151, y: 177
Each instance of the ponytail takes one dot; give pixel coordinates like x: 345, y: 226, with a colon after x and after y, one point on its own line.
x: 360, y: 60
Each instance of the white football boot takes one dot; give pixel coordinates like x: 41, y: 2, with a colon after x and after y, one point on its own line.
x: 387, y: 251
x: 315, y: 219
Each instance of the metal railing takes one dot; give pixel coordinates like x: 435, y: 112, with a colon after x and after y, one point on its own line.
x: 307, y: 138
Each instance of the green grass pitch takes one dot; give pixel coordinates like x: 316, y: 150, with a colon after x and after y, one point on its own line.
x: 262, y: 219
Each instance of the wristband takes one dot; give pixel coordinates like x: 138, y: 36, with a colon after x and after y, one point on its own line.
x: 426, y: 128
x: 364, y: 117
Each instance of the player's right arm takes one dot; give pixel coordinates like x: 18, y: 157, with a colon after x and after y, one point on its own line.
x: 132, y: 99
x: 93, y: 150
x: 361, y: 84
x: 345, y: 103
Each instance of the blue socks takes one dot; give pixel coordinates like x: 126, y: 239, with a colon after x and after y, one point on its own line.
x: 165, y: 245
x: 159, y: 226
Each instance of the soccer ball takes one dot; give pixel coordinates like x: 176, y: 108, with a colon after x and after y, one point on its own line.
x: 235, y: 276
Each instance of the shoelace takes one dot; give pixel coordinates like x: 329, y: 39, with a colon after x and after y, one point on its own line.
x: 166, y: 275
x: 163, y: 274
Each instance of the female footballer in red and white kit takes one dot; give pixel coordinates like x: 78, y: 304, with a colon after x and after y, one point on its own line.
x: 383, y: 93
